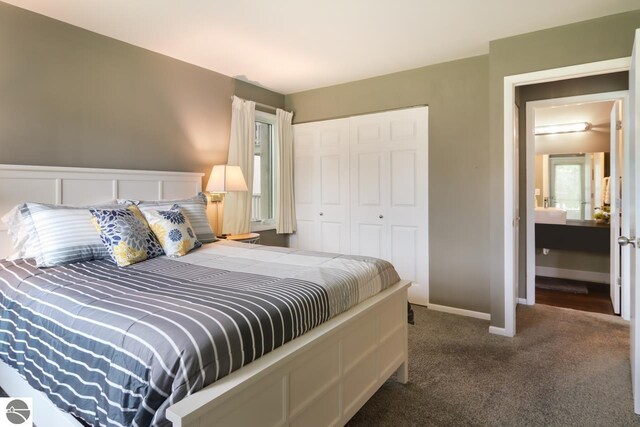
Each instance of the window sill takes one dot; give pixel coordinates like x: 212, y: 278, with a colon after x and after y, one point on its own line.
x: 260, y: 226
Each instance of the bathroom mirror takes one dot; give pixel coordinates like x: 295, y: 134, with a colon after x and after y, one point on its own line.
x: 573, y: 161
x: 574, y: 182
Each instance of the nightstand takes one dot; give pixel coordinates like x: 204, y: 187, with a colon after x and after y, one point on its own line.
x: 244, y: 238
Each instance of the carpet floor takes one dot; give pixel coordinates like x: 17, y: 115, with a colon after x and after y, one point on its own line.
x: 563, y: 368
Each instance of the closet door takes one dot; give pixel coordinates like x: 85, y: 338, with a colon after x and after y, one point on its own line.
x: 321, y: 176
x: 389, y: 184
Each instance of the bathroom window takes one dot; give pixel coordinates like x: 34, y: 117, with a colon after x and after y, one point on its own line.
x: 568, y: 185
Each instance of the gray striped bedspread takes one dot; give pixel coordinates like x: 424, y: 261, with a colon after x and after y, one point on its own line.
x: 117, y: 346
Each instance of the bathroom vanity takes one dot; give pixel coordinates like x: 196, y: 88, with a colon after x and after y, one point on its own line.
x: 575, y: 235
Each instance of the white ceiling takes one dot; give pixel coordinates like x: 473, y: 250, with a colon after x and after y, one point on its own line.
x: 596, y: 113
x: 294, y: 45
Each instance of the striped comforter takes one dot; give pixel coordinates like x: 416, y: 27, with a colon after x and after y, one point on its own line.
x: 117, y: 346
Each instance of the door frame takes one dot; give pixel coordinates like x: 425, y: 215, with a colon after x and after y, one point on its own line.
x: 511, y: 168
x: 531, y: 106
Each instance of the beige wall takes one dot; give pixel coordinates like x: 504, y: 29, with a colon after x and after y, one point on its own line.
x: 457, y: 95
x: 70, y: 97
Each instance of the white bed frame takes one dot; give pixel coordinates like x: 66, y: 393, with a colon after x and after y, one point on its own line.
x: 321, y: 378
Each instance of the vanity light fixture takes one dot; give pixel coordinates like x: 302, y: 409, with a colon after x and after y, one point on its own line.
x: 564, y: 128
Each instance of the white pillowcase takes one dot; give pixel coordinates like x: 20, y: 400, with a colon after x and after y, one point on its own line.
x: 17, y: 230
x: 55, y: 234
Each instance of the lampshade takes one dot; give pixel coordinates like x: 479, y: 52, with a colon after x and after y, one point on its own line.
x: 226, y: 178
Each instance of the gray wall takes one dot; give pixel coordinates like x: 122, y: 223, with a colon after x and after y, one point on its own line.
x: 589, y: 41
x: 466, y: 167
x: 457, y: 95
x: 70, y: 97
x: 551, y: 90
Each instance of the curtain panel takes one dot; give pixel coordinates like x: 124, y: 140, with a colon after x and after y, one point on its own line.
x: 237, y: 205
x: 284, y: 198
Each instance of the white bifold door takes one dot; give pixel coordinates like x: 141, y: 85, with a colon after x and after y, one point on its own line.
x: 321, y: 182
x: 383, y: 178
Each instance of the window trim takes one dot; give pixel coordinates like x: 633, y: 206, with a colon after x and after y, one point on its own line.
x: 264, y: 117
x: 571, y: 160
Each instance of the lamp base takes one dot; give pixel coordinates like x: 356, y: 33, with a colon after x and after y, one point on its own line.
x: 216, y: 197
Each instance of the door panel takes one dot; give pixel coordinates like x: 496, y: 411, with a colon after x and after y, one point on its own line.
x: 389, y: 182
x: 403, y: 129
x: 369, y: 179
x: 321, y: 176
x: 330, y: 180
x: 370, y: 240
x: 367, y: 131
x: 404, y: 245
x: 403, y: 178
x: 305, y: 235
x: 303, y: 177
x: 331, y: 237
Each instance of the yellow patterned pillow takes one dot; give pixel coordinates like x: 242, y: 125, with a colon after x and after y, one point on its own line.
x: 173, y: 230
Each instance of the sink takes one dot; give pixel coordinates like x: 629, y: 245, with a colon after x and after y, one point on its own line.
x: 550, y: 216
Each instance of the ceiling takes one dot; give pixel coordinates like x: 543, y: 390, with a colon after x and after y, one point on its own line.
x: 294, y: 45
x: 596, y: 113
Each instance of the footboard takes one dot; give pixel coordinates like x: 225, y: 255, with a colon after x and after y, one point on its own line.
x: 322, y: 378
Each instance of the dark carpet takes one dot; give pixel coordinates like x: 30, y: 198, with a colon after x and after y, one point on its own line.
x: 563, y: 368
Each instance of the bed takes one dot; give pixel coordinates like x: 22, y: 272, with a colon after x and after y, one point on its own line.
x: 231, y: 334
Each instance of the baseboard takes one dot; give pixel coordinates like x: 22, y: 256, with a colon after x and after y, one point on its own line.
x: 499, y: 331
x: 563, y: 273
x: 459, y: 311
x: 522, y: 301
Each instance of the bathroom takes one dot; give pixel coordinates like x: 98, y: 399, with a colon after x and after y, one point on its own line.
x: 577, y: 149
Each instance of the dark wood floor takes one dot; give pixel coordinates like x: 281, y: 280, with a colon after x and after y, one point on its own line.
x: 597, y: 300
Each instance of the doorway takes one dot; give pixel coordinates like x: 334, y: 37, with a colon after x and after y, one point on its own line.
x: 573, y: 203
x: 631, y: 185
x: 510, y: 190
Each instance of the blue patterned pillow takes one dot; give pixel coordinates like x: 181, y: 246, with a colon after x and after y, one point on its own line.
x: 126, y: 235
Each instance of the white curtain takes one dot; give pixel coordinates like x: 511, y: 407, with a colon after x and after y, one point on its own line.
x: 237, y: 205
x: 284, y: 200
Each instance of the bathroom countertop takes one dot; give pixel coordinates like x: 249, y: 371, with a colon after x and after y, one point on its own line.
x: 586, y: 223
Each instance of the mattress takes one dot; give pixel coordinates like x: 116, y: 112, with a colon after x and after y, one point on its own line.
x: 117, y: 346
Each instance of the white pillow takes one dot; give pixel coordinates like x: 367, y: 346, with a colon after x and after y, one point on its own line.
x: 17, y: 230
x: 55, y: 234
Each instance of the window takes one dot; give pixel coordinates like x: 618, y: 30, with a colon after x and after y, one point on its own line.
x: 262, y: 201
x: 568, y: 185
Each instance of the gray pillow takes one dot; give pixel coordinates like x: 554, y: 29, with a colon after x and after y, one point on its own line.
x: 195, y: 209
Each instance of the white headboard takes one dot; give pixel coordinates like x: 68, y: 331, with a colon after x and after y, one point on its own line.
x: 82, y: 186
